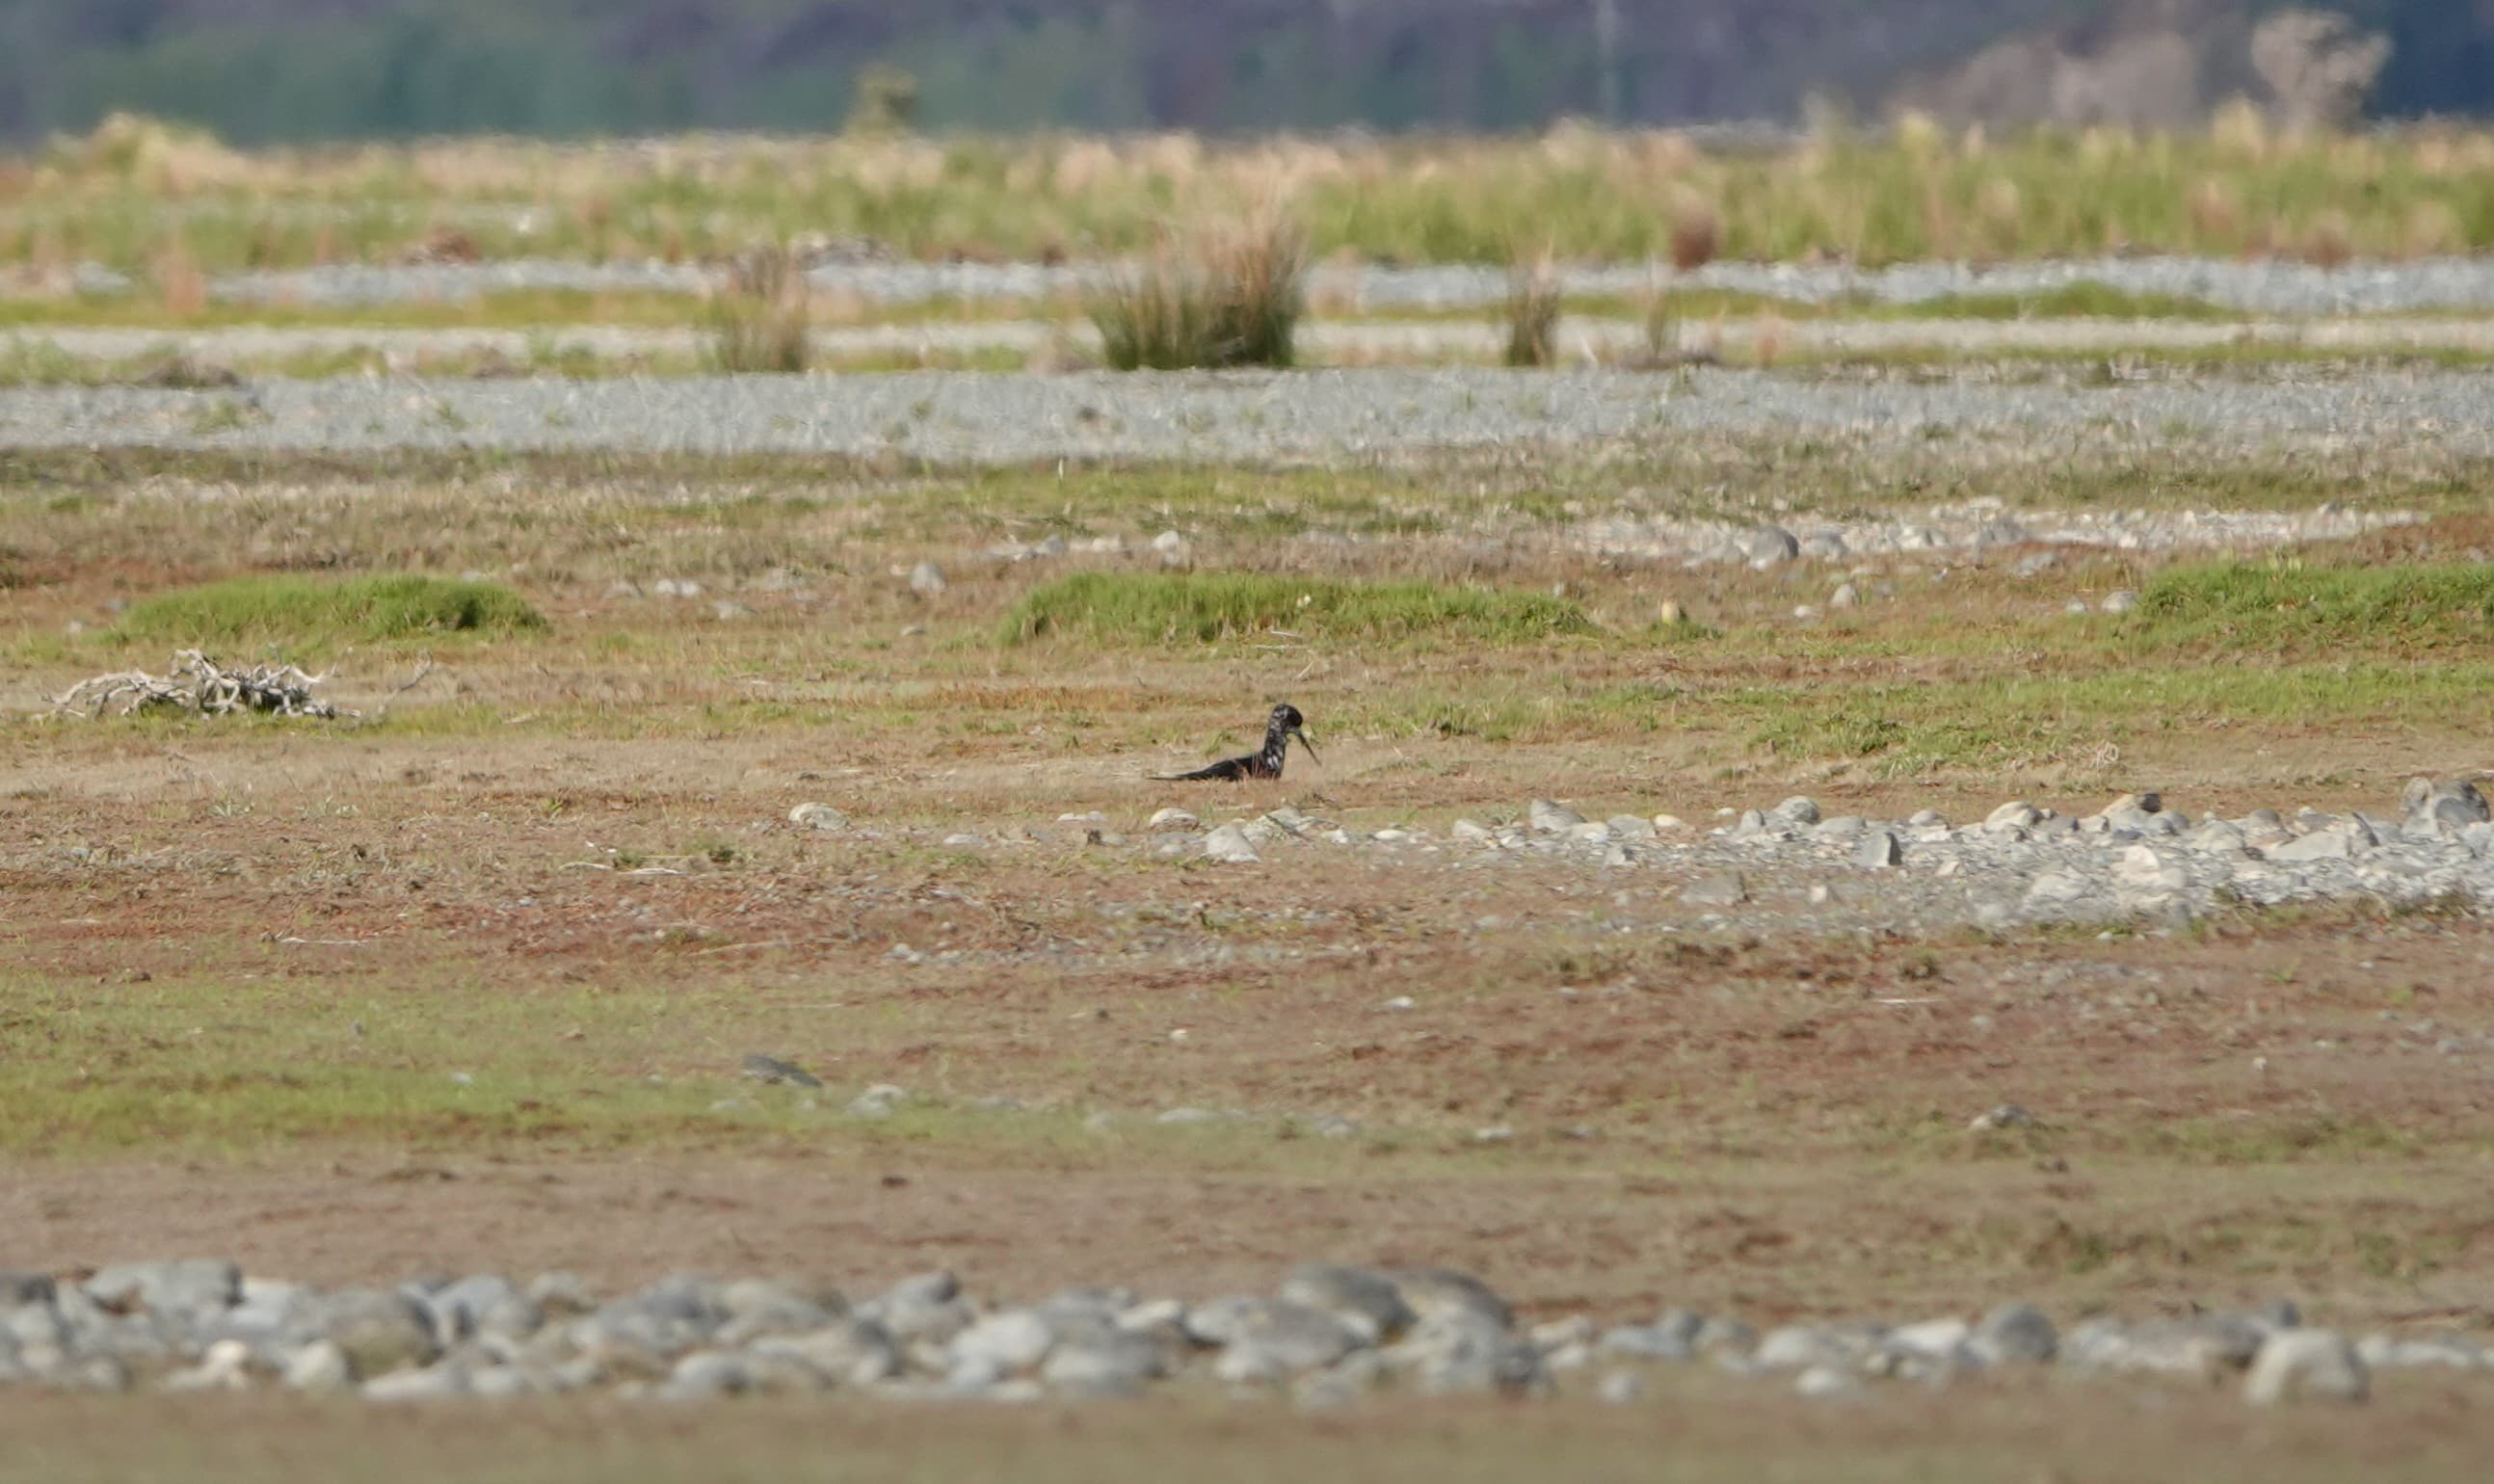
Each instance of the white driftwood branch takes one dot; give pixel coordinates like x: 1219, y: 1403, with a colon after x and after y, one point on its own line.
x: 198, y: 683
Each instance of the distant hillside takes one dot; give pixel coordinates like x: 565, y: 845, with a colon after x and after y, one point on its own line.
x: 264, y: 70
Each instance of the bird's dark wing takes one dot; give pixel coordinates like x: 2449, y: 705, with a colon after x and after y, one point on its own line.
x: 1227, y: 770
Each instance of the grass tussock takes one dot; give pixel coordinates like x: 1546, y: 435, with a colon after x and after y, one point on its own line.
x: 1223, y: 298
x: 760, y: 320
x: 1531, y: 314
x: 2289, y: 602
x: 1206, y: 607
x: 312, y: 613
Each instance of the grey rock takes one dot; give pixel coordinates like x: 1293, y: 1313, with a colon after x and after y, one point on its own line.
x: 2055, y: 889
x: 781, y: 1305
x: 484, y: 1303
x: 876, y: 1102
x: 1879, y: 851
x: 2445, y: 1352
x: 1797, y: 810
x: 770, y: 1068
x: 1108, y: 1364
x: 1800, y: 1347
x: 926, y: 579
x: 2015, y: 1332
x: 1846, y: 596
x: 2338, y: 843
x: 430, y: 1384
x: 34, y: 1324
x: 1340, y: 1384
x: 709, y: 1373
x: 378, y: 1331
x: 758, y: 1310
x: 1228, y: 845
x: 1469, y: 1351
x: 2121, y: 600
x: 188, y: 1290
x: 2008, y: 1116
x: 223, y: 1368
x: 1546, y: 817
x: 2206, y: 1347
x: 818, y: 816
x: 1439, y: 1292
x: 322, y: 1366
x: 2307, y: 1365
x: 1368, y: 1300
x: 1827, y: 1383
x: 2443, y: 806
x: 2141, y: 871
x: 1010, y: 1341
x: 1173, y: 819
x: 1725, y: 890
x: 1673, y: 1337
x: 1770, y: 545
x: 2010, y: 817
x: 1269, y: 1340
x: 847, y: 1352
x: 503, y: 1382
x: 18, y: 1289
x: 2218, y: 837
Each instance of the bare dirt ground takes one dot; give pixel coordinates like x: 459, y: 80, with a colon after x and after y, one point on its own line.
x: 467, y: 984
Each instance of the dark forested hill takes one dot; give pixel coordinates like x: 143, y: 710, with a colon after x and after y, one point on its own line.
x: 256, y: 70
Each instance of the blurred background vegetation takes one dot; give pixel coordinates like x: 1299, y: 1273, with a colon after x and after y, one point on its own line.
x: 264, y: 70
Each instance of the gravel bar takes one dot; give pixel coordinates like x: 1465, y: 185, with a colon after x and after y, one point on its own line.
x: 2264, y: 287
x: 1330, y: 341
x: 957, y: 417
x: 1797, y: 873
x: 1329, y: 1335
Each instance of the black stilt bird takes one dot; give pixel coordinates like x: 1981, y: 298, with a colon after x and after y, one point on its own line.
x: 1265, y: 762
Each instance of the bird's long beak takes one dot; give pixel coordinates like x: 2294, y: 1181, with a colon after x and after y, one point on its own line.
x: 1301, y: 733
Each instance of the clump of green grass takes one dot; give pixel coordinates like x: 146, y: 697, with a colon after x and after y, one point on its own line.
x: 760, y: 320
x: 1203, y: 607
x: 1222, y: 298
x: 1531, y: 314
x: 2288, y: 602
x: 311, y: 612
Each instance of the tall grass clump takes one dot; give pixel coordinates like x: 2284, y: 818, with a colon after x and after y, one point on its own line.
x: 311, y: 612
x: 2287, y: 603
x: 1129, y: 608
x: 760, y: 319
x: 1531, y: 314
x: 1227, y: 296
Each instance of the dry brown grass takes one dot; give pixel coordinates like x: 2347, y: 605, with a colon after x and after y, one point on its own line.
x: 762, y: 320
x: 1221, y: 297
x: 1532, y: 312
x: 1611, y: 197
